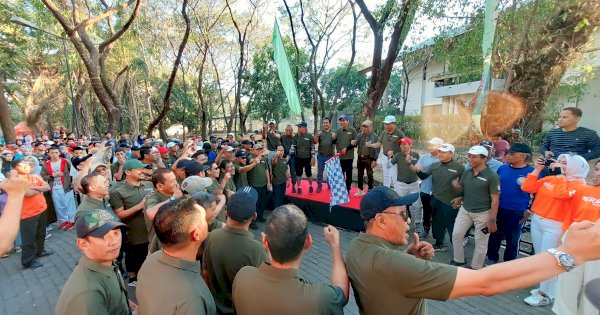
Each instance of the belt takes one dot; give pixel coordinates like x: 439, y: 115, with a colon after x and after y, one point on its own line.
x: 408, y: 183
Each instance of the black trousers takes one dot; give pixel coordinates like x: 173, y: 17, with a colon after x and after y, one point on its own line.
x: 363, y: 164
x: 427, y: 211
x: 443, y: 220
x: 135, y: 255
x: 33, y: 236
x: 261, y: 203
x: 347, y: 171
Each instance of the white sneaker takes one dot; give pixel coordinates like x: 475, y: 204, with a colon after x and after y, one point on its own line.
x: 359, y: 193
x: 534, y: 291
x: 537, y: 300
x: 466, y: 241
x: 132, y: 283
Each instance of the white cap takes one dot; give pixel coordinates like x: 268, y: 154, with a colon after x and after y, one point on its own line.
x: 272, y: 121
x: 231, y: 134
x: 478, y: 150
x: 447, y: 147
x: 195, y: 183
x: 436, y: 141
x: 389, y: 119
x: 171, y: 144
x: 229, y: 149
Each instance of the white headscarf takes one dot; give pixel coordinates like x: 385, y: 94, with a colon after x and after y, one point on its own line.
x: 577, y: 167
x: 38, y: 168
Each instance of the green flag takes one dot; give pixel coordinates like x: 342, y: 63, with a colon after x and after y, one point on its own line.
x: 489, y: 31
x: 285, y: 72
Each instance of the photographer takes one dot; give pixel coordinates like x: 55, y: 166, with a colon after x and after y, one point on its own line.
x: 551, y: 208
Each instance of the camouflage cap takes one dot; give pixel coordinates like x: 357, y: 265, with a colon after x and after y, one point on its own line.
x: 96, y: 223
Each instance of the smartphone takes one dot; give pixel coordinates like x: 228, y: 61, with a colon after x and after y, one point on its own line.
x: 485, y: 230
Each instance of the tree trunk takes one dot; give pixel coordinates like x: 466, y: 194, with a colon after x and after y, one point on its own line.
x: 203, y: 114
x: 8, y: 126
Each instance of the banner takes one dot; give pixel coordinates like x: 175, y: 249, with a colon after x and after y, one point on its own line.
x: 285, y: 72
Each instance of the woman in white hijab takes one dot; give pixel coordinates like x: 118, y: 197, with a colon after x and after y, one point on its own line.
x: 34, y: 162
x: 551, y: 207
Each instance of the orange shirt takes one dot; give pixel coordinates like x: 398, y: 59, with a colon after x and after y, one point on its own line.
x: 552, y: 196
x: 585, y: 205
x: 34, y: 205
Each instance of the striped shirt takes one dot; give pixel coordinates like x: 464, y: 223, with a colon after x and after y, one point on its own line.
x: 582, y: 141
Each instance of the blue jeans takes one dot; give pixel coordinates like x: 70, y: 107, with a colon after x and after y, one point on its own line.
x: 278, y: 194
x: 509, y: 228
x: 321, y: 167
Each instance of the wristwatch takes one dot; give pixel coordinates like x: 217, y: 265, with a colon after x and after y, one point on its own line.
x: 565, y: 260
x: 493, y: 220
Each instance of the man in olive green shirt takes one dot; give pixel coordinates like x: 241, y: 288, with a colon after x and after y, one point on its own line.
x: 128, y: 202
x: 345, y: 144
x: 170, y: 281
x: 95, y: 189
x: 260, y: 179
x: 481, y: 189
x: 232, y: 247
x: 96, y: 286
x: 325, y: 139
x: 388, y: 141
x: 367, y: 156
x: 303, y: 153
x: 387, y: 280
x: 277, y: 287
x: 443, y: 173
x: 242, y: 167
x: 407, y: 181
x: 272, y: 136
x: 280, y: 176
x: 287, y: 140
x: 165, y: 189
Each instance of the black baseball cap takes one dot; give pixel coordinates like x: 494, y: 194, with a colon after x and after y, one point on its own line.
x: 183, y: 163
x: 135, y: 148
x: 246, y: 141
x: 520, y: 148
x: 75, y: 161
x: 302, y: 124
x: 242, y: 205
x: 380, y: 198
x: 241, y: 154
x: 193, y: 168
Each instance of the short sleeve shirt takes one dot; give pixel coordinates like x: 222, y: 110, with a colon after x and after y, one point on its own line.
x: 343, y: 140
x: 399, y: 281
x: 442, y: 175
x: 240, y: 179
x: 35, y: 204
x: 405, y: 174
x: 326, y: 143
x: 127, y: 196
x: 226, y: 251
x: 389, y: 141
x: 304, y: 143
x: 279, y: 172
x: 152, y: 200
x: 363, y: 150
x: 478, y: 189
x: 270, y: 290
x: 186, y: 292
x: 212, y: 189
x: 257, y: 176
x: 93, y: 289
x: 287, y: 143
x: 272, y: 141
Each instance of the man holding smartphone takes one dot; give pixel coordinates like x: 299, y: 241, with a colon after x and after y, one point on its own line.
x: 481, y: 189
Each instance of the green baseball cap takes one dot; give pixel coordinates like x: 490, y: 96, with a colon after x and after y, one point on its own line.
x: 133, y: 164
x: 96, y: 223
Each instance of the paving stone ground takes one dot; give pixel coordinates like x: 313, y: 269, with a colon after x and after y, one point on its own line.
x: 34, y: 292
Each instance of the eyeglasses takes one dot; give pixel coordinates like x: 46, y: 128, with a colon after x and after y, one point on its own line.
x: 403, y: 214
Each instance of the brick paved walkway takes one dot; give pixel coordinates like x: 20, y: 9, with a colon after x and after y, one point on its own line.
x: 36, y: 291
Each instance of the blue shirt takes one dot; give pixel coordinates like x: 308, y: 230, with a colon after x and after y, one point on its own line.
x: 426, y: 160
x: 511, y: 196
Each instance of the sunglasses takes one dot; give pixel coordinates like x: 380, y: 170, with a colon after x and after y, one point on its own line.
x: 403, y: 214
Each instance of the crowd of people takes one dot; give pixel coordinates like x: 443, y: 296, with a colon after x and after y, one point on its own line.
x: 172, y: 218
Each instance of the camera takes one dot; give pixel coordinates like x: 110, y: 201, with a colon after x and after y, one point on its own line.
x: 548, y: 162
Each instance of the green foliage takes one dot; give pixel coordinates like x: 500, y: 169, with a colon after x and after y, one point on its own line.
x: 353, y: 90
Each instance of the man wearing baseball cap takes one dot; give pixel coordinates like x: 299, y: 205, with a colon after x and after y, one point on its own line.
x: 345, y: 144
x: 490, y: 161
x: 424, y: 163
x: 367, y: 156
x: 388, y: 141
x: 444, y: 211
x: 303, y: 153
x: 128, y: 202
x: 95, y: 286
x: 195, y: 183
x: 325, y: 139
x: 260, y: 179
x: 387, y: 280
x: 271, y: 134
x: 481, y: 188
x: 232, y: 247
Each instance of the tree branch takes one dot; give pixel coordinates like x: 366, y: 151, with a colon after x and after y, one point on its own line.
x: 108, y: 13
x: 123, y: 29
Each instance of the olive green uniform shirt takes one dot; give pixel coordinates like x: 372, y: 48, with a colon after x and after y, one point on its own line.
x: 287, y: 142
x: 93, y: 289
x: 478, y: 189
x: 442, y: 175
x: 272, y: 141
x: 365, y: 152
x: 212, y: 189
x: 240, y: 179
x: 153, y: 199
x: 170, y: 160
x: 389, y: 142
x: 343, y: 139
x: 304, y: 148
x: 168, y: 285
x: 279, y: 172
x: 387, y: 280
x: 326, y: 143
x: 230, y: 185
x: 114, y: 168
x: 405, y: 174
x: 227, y: 250
x: 270, y: 290
x: 257, y: 177
x: 89, y: 203
x: 127, y: 196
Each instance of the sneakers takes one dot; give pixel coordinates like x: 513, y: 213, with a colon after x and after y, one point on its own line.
x: 48, y: 235
x: 69, y: 226
x: 359, y: 193
x: 45, y: 253
x: 534, y: 291
x: 310, y: 190
x: 299, y: 191
x: 319, y: 189
x: 33, y: 265
x: 132, y: 282
x: 439, y: 247
x: 466, y: 241
x: 18, y: 249
x: 424, y: 234
x: 458, y: 264
x: 489, y: 262
x: 293, y: 188
x: 537, y: 299
x: 62, y: 225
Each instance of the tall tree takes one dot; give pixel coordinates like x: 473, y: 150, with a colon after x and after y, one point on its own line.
x: 401, y: 18
x: 94, y: 55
